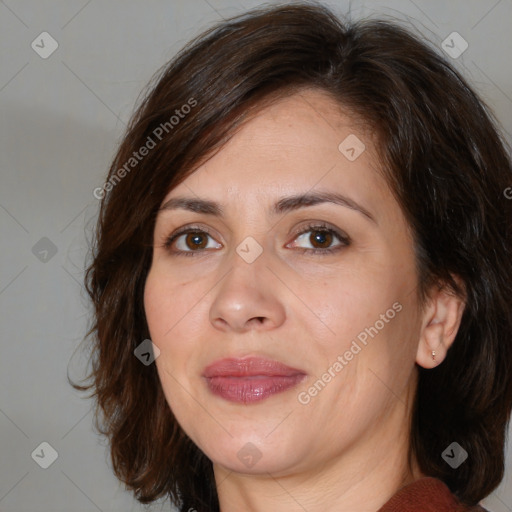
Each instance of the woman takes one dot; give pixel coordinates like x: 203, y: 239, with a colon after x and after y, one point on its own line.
x: 308, y: 221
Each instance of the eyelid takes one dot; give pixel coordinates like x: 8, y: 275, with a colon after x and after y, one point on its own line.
x: 322, y: 226
x: 170, y: 239
x: 319, y: 225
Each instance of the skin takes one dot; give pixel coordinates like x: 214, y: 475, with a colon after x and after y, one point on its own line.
x: 346, y: 449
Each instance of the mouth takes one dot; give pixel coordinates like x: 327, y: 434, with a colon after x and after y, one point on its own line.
x: 250, y: 379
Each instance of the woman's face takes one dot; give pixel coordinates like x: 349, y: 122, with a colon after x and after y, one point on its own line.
x: 287, y: 327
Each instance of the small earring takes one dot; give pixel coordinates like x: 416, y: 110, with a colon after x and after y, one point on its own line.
x: 433, y: 355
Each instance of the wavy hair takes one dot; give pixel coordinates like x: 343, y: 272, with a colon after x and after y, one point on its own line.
x: 443, y: 158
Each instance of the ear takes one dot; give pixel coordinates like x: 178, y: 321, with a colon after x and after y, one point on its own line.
x: 441, y: 319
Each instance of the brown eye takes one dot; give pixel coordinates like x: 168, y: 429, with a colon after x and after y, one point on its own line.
x: 191, y: 241
x: 321, y: 239
x: 196, y: 240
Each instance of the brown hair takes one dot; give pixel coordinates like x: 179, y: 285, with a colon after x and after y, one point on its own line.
x: 444, y: 161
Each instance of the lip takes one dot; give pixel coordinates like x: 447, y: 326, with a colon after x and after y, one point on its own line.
x: 250, y: 379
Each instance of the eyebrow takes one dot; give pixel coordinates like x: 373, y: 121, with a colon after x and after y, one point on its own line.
x: 283, y: 205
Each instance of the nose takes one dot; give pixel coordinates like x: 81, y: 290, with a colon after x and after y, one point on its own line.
x: 247, y: 298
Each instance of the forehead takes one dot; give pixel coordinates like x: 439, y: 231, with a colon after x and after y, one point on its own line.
x: 291, y: 146
x: 308, y: 124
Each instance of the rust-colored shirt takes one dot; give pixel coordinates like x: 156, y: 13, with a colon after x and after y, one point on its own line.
x: 426, y: 495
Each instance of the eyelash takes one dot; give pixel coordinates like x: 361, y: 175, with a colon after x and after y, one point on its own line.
x: 343, y: 238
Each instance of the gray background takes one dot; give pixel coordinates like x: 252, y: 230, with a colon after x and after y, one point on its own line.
x: 61, y: 120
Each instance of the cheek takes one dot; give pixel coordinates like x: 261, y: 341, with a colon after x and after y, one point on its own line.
x: 168, y: 315
x: 170, y: 322
x: 365, y: 369
x: 168, y: 304
x: 345, y: 305
x: 372, y: 324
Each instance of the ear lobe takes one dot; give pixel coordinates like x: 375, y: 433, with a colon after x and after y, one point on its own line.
x: 441, y: 321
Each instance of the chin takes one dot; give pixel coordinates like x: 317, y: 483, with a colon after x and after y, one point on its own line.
x: 254, y: 453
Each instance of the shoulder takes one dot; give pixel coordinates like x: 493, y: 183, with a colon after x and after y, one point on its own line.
x: 426, y: 495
